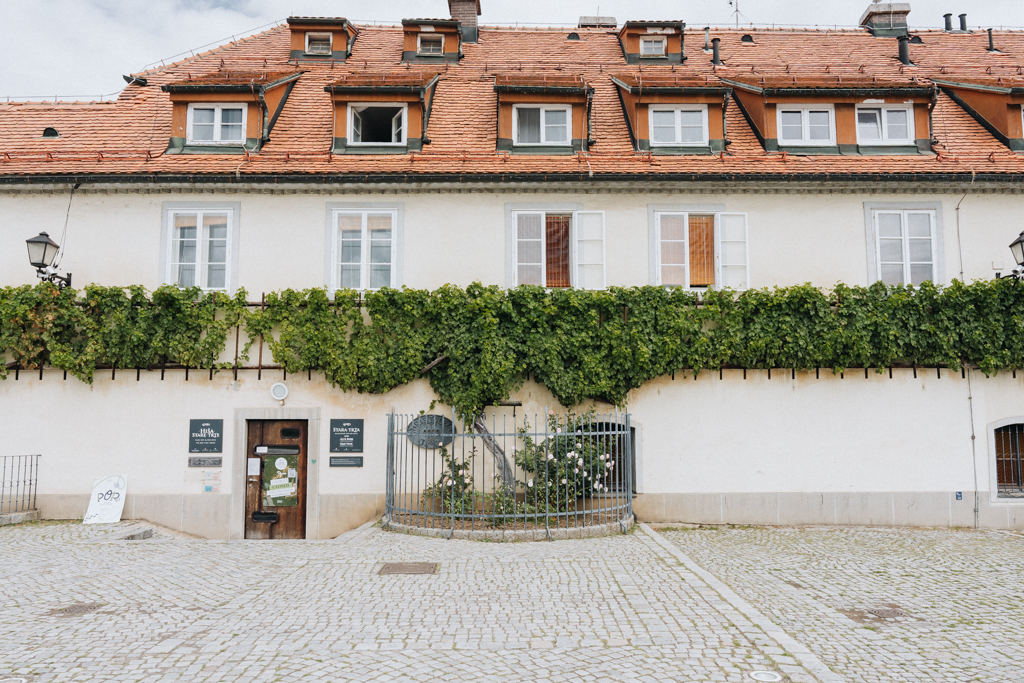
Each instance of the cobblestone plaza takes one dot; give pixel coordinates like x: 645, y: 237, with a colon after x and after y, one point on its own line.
x: 848, y: 604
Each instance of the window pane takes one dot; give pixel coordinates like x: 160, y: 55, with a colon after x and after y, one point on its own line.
x: 530, y: 275
x: 673, y: 227
x: 349, y: 277
x: 664, y: 126
x: 529, y: 252
x: 351, y: 246
x: 890, y: 225
x: 529, y: 226
x: 868, y: 125
x: 231, y: 124
x: 897, y: 124
x: 792, y: 125
x: 673, y: 252
x: 380, y: 246
x: 202, y: 124
x: 380, y: 276
x: 673, y: 276
x: 820, y: 126
x: 183, y: 250
x: 692, y: 126
x: 920, y: 251
x: 892, y: 274
x: 890, y: 251
x: 919, y: 225
x: 529, y: 126
x: 319, y: 45
x: 215, y: 277
x: 186, y: 276
x: 431, y: 45
x: 919, y: 273
x: 652, y: 46
x: 555, y: 128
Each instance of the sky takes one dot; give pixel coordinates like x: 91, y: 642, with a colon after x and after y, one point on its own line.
x: 78, y: 49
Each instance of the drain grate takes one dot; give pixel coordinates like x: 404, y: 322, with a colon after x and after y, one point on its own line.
x: 765, y: 676
x: 409, y: 568
x: 887, y: 613
x: 76, y: 610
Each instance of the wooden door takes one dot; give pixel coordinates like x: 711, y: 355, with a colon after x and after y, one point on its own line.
x: 269, y: 443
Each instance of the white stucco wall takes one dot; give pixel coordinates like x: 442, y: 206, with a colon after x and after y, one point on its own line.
x: 459, y: 236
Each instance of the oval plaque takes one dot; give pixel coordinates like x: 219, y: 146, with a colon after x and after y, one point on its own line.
x: 431, y: 431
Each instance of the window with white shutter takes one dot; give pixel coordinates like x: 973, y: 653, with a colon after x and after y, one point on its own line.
x: 733, y: 253
x: 559, y: 249
x: 700, y: 250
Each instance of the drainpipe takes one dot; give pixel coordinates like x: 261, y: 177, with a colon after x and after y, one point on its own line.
x: 715, y: 58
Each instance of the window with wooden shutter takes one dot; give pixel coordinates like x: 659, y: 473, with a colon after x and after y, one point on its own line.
x: 700, y: 250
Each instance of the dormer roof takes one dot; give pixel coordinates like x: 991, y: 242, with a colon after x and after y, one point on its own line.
x: 231, y: 81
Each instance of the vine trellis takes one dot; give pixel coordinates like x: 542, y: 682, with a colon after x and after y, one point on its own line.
x: 478, y: 344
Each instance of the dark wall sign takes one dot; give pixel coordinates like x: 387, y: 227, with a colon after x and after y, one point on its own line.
x: 205, y: 462
x: 346, y: 461
x: 346, y: 436
x: 431, y: 431
x: 206, y: 436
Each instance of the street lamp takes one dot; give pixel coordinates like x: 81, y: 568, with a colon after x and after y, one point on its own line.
x: 1017, y: 249
x: 41, y: 251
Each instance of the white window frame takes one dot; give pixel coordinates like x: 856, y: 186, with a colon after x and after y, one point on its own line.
x: 353, y: 106
x: 432, y: 36
x: 202, y: 248
x: 883, y: 108
x: 805, y: 141
x: 320, y: 35
x: 703, y: 108
x: 544, y: 108
x: 654, y: 39
x: 574, y: 241
x: 933, y: 223
x: 218, y: 108
x: 364, y: 250
x: 720, y: 263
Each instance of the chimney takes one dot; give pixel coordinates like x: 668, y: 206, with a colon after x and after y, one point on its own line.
x: 963, y: 23
x: 465, y: 12
x: 715, y: 56
x: 949, y: 21
x: 904, y: 42
x: 886, y: 18
x: 597, y: 22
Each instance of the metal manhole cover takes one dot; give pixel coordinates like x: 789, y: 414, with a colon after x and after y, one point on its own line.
x: 409, y: 568
x: 765, y: 676
x: 76, y: 610
x: 887, y: 613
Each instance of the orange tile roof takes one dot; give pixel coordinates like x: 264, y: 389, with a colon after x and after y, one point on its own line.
x: 128, y: 138
x: 364, y: 80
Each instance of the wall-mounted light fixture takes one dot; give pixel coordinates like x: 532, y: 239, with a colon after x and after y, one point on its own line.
x: 41, y: 252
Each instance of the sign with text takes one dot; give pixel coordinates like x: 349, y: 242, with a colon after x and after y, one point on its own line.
x: 281, y: 481
x: 206, y: 436
x: 346, y: 436
x: 206, y: 462
x: 107, y: 501
x: 346, y: 461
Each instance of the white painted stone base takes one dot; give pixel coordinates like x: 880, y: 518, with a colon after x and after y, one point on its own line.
x: 19, y: 517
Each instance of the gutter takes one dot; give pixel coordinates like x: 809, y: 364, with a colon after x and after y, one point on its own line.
x: 671, y: 89
x: 542, y: 89
x: 1002, y: 90
x: 895, y: 91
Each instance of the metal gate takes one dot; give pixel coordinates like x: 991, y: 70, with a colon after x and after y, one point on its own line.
x: 556, y: 475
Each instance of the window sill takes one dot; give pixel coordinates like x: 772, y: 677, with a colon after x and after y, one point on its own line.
x: 341, y: 146
x: 447, y: 57
x: 878, y: 150
x: 507, y: 145
x: 679, y: 150
x: 180, y: 146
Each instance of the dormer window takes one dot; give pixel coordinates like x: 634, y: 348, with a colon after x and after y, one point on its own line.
x: 430, y: 45
x: 679, y: 125
x: 319, y: 44
x: 216, y: 124
x: 652, y: 47
x: 885, y: 125
x: 542, y: 125
x: 377, y: 124
x: 807, y: 125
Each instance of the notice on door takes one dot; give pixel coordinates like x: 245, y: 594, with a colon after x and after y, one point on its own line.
x: 206, y: 436
x: 281, y: 481
x: 346, y: 436
x: 107, y: 501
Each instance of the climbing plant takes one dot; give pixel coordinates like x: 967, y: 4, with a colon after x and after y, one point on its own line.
x: 477, y: 345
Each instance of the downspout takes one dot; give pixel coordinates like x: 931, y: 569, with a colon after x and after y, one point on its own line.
x: 970, y: 386
x: 257, y: 94
x: 588, y: 141
x: 725, y: 129
x: 931, y: 131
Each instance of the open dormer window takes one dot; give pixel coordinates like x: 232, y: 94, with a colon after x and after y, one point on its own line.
x: 216, y: 124
x: 542, y: 125
x: 811, y: 125
x: 652, y: 47
x: 885, y: 125
x: 319, y: 44
x: 377, y: 124
x: 430, y: 45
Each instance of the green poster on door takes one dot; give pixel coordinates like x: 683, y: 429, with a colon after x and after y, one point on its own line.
x: 280, y: 481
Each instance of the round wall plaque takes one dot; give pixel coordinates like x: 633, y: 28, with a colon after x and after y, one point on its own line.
x: 431, y: 431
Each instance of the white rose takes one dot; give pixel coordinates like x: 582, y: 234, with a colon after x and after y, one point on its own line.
x: 530, y: 483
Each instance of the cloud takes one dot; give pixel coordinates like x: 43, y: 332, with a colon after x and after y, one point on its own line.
x: 81, y: 47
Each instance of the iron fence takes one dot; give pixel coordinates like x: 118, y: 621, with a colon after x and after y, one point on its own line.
x: 556, y: 475
x: 18, y: 477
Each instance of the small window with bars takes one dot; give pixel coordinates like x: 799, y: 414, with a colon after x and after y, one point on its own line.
x: 652, y: 47
x: 701, y: 251
x: 199, y: 249
x: 558, y: 250
x: 905, y: 246
x: 364, y: 249
x: 319, y: 44
x: 1009, y: 471
x: 431, y: 45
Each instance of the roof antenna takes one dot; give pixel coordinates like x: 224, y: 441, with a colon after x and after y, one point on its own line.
x: 736, y: 13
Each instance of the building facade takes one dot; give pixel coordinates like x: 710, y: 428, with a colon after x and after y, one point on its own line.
x: 324, y: 154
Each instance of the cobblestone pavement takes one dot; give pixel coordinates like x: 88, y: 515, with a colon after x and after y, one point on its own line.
x: 962, y: 594
x: 707, y: 606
